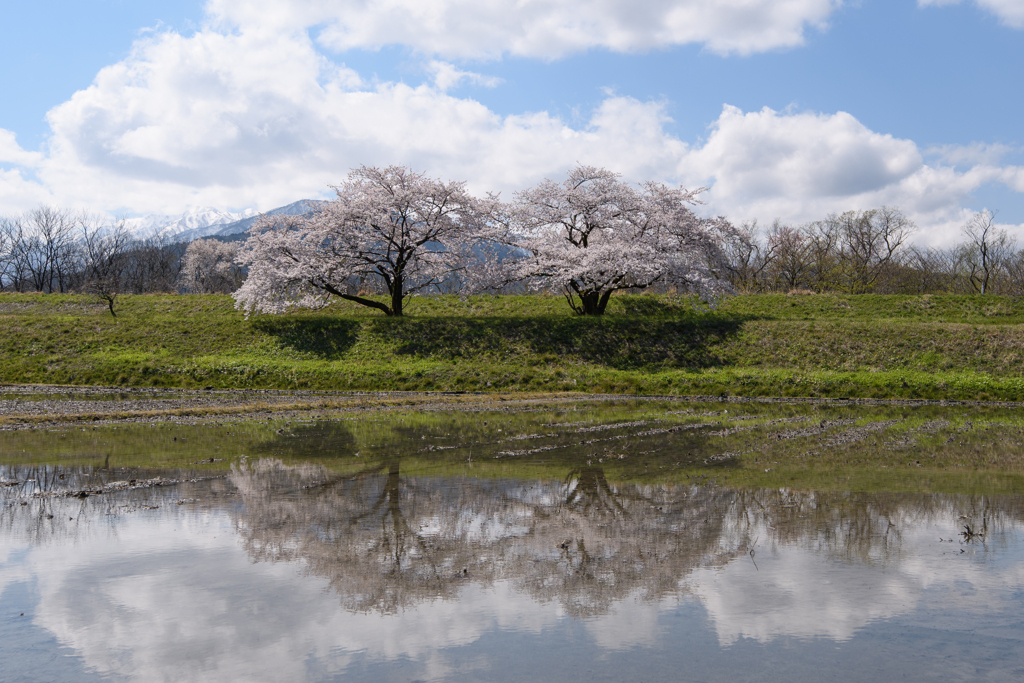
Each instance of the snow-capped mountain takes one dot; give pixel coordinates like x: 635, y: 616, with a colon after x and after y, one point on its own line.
x: 190, y: 225
x: 299, y: 208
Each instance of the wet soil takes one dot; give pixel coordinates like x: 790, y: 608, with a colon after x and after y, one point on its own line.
x: 48, y: 406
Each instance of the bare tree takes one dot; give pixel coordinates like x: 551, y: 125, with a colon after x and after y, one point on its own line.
x: 105, y: 250
x: 871, y: 241
x: 746, y: 260
x: 1015, y: 273
x: 50, y: 249
x: 929, y: 270
x: 154, y: 265
x: 985, y: 251
x: 9, y: 230
x: 791, y: 248
x: 823, y: 255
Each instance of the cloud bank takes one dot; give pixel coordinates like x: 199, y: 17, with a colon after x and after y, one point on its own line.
x: 547, y: 29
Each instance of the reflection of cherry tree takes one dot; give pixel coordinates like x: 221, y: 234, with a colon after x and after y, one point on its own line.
x: 370, y: 533
x: 386, y: 542
x: 602, y: 542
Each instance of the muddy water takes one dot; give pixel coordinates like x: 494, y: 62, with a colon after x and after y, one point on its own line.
x: 631, y: 541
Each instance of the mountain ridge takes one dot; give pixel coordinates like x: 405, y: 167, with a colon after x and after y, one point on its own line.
x: 210, y: 222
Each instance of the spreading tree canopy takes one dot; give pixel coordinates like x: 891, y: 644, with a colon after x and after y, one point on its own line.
x: 391, y: 226
x: 592, y: 235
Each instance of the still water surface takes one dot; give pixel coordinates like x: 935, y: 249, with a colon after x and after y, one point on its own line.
x: 602, y: 543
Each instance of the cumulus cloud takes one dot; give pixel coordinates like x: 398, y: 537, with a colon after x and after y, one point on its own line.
x: 240, y: 119
x: 802, y: 166
x: 254, y: 118
x: 764, y: 154
x: 546, y: 29
x: 19, y: 194
x: 1010, y: 12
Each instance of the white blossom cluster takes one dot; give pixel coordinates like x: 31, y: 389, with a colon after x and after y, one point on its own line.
x: 208, y: 266
x: 586, y: 237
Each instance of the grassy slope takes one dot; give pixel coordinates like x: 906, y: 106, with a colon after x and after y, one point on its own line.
x: 874, y: 346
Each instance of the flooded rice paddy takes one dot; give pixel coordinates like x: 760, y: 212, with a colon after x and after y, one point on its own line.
x: 598, y: 540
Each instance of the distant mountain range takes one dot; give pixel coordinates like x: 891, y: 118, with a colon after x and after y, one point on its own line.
x: 209, y: 222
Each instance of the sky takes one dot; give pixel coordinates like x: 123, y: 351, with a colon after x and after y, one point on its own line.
x: 788, y: 109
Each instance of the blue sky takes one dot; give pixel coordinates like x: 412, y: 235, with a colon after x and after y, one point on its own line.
x: 784, y: 108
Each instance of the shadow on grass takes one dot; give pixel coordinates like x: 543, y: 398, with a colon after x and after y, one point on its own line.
x: 623, y: 344
x: 327, y: 338
x: 650, y: 306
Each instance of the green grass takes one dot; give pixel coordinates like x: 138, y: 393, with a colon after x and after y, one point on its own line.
x: 939, y: 347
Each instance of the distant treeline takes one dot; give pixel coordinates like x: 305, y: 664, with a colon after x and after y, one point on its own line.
x: 55, y: 250
x: 868, y: 252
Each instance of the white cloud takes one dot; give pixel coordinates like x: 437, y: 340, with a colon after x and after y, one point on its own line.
x: 1010, y: 12
x: 800, y: 167
x: 972, y: 154
x: 11, y: 151
x: 18, y: 194
x: 537, y: 28
x: 258, y: 119
x: 236, y: 120
x: 1013, y: 177
x: 803, y: 156
x: 448, y: 76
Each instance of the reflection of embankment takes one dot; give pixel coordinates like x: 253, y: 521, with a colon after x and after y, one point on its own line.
x: 387, y: 542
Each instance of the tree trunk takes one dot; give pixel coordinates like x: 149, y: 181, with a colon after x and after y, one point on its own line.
x: 591, y: 303
x: 397, y: 295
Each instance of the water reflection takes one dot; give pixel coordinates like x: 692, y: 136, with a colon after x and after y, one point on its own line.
x: 368, y: 565
x: 386, y: 542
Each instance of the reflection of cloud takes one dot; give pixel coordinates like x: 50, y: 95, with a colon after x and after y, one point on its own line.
x: 12, y: 568
x: 172, y: 594
x: 797, y: 591
x: 632, y: 622
x: 187, y: 604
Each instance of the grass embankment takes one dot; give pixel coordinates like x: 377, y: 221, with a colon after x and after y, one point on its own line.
x: 947, y: 347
